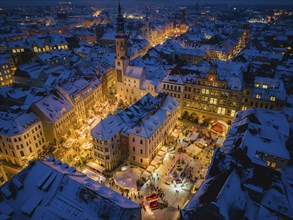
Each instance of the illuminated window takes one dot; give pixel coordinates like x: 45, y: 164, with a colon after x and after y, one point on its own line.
x: 221, y: 110
x: 258, y: 96
x: 256, y: 84
x: 272, y: 98
x: 205, y: 91
x: 233, y: 112
x: 213, y: 101
x: 265, y: 86
x: 13, y: 51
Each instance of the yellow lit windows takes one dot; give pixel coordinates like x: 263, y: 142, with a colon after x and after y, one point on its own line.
x: 233, y: 112
x: 13, y: 51
x: 35, y: 49
x: 265, y: 86
x: 244, y: 108
x: 213, y: 101
x: 272, y: 98
x: 221, y: 110
x: 205, y: 91
x: 258, y: 96
x: 256, y: 84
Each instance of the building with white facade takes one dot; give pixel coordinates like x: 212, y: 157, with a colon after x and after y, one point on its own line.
x: 136, y: 133
x: 22, y: 137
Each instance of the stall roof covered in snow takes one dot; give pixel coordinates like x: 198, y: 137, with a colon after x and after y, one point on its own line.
x: 51, y: 190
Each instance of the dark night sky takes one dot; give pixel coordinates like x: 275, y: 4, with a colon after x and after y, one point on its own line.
x: 142, y: 2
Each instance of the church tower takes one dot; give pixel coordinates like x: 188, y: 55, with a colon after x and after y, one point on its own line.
x: 121, y: 58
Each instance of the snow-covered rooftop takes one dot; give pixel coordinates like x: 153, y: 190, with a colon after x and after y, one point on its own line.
x: 143, y: 118
x: 259, y: 132
x: 49, y: 189
x: 14, y: 124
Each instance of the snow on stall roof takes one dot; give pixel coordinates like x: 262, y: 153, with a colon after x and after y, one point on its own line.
x: 64, y: 194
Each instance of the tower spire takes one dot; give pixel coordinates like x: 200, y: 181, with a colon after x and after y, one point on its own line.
x: 120, y: 21
x: 119, y: 8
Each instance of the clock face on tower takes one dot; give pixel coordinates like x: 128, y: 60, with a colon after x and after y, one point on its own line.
x: 119, y: 75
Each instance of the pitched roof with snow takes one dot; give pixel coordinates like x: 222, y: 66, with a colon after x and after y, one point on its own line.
x: 258, y: 132
x: 143, y: 118
x: 14, y: 124
x: 53, y: 106
x: 49, y: 189
x: 135, y: 72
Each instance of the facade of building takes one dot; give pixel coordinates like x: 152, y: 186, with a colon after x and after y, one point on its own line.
x: 209, y: 95
x: 131, y: 81
x: 22, y: 137
x: 214, y: 96
x: 23, y: 50
x: 6, y: 70
x: 72, y: 102
x: 229, y: 48
x: 121, y: 59
x: 264, y: 93
x: 136, y: 133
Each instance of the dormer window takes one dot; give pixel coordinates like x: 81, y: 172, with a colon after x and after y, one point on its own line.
x: 62, y: 111
x: 256, y: 85
x: 265, y: 86
x: 272, y: 98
